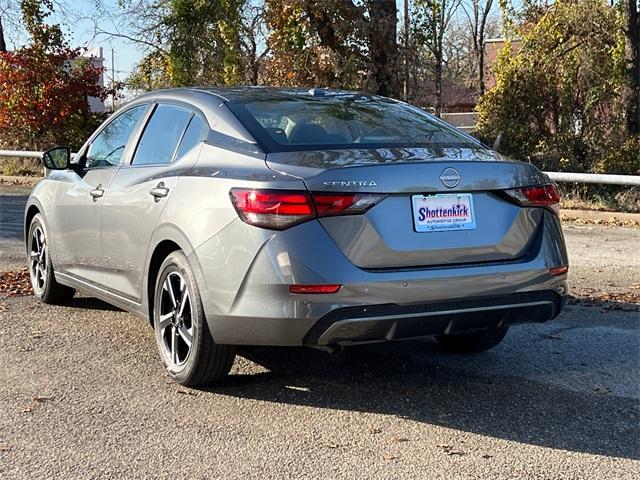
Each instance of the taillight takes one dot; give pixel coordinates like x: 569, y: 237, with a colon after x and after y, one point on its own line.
x: 272, y: 209
x: 280, y: 209
x: 538, y: 196
x: 329, y: 204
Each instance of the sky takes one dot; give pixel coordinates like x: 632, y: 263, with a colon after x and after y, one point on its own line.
x: 74, y: 16
x: 80, y: 30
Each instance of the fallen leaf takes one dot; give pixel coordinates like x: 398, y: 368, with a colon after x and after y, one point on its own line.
x: 399, y: 440
x: 389, y: 458
x: 186, y: 392
x: 455, y: 452
x: 449, y: 450
x: 602, y: 390
x: 15, y: 283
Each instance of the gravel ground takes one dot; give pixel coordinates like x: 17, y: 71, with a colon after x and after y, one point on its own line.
x: 84, y: 396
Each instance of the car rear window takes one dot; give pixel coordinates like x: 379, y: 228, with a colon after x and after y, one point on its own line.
x: 293, y: 123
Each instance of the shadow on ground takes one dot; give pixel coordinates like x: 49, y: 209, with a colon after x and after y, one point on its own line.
x: 90, y: 303
x: 401, y: 380
x: 413, y: 380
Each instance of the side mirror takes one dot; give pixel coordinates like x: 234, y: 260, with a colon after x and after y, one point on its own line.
x: 57, y: 158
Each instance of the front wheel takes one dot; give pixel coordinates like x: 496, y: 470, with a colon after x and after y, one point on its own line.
x: 43, y: 281
x: 188, y: 351
x: 475, y: 342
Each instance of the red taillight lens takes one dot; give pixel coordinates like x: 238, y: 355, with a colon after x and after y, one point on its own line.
x: 271, y: 208
x: 328, y: 204
x: 314, y: 288
x: 538, y: 196
x: 278, y: 209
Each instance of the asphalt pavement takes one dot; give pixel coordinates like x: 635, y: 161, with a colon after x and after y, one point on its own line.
x: 84, y: 395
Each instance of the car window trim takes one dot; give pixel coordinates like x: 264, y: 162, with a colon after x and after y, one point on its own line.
x: 184, y: 105
x: 134, y: 133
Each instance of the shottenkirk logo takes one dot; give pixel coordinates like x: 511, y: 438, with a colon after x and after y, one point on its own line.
x: 450, y: 177
x: 453, y: 212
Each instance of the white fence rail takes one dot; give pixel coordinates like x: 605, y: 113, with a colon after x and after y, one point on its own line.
x: 20, y: 153
x: 603, y: 179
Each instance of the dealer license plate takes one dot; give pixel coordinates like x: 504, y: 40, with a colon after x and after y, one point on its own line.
x: 443, y: 212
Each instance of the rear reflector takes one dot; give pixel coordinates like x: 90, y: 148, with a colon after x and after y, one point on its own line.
x: 314, y: 288
x: 280, y: 209
x: 555, y: 271
x: 538, y: 196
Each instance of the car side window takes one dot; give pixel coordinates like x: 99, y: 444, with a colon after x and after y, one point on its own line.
x: 192, y: 137
x: 161, y: 135
x: 107, y: 148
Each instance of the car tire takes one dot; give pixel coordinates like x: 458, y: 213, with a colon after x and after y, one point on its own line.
x: 43, y: 280
x: 186, y: 347
x: 475, y: 342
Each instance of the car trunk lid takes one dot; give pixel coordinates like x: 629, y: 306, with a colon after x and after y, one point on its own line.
x: 391, y: 235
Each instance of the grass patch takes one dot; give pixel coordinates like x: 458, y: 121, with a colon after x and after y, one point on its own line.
x: 21, y: 167
x: 610, y: 198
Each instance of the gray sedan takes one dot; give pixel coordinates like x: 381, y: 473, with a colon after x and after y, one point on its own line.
x: 261, y: 216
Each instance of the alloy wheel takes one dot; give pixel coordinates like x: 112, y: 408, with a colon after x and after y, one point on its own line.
x: 38, y: 259
x: 175, y: 319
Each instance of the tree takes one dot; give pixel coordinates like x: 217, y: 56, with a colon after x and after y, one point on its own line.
x: 632, y: 32
x: 253, y: 42
x: 558, y: 100
x: 44, y: 86
x: 477, y: 14
x: 433, y: 18
x: 342, y: 43
x: 187, y: 42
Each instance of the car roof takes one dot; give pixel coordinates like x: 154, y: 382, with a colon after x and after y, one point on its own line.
x: 249, y: 93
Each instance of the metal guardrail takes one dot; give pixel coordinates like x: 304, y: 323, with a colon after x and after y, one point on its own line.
x: 601, y: 178
x: 24, y: 153
x: 20, y: 153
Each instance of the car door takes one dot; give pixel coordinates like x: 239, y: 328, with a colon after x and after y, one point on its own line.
x: 78, y: 202
x: 139, y: 192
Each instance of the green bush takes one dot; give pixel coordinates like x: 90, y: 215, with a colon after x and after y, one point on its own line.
x: 559, y: 95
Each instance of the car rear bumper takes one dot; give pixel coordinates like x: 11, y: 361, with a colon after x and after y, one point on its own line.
x: 244, y: 282
x: 374, y: 323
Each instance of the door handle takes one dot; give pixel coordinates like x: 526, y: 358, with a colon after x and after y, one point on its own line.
x: 97, y: 192
x: 159, y: 192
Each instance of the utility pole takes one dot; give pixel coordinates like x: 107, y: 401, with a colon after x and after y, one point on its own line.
x: 113, y: 81
x: 405, y: 83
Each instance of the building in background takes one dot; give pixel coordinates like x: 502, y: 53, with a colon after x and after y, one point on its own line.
x: 492, y: 48
x: 96, y: 57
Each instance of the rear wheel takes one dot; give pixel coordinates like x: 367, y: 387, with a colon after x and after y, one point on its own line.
x: 190, y: 355
x: 43, y: 281
x: 473, y: 342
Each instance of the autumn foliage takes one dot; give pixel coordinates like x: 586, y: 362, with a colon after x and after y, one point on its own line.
x: 42, y: 94
x: 44, y: 88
